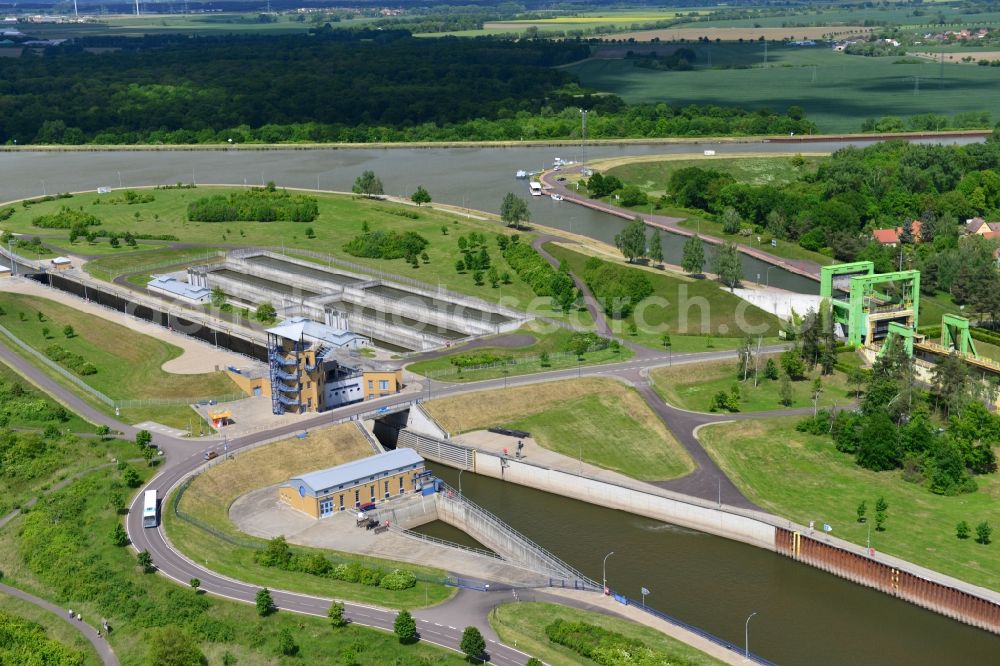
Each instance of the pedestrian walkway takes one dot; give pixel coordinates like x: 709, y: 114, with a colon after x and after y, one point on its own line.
x: 100, y: 644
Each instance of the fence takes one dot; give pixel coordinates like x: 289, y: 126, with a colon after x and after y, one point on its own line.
x: 444, y: 542
x: 110, y: 274
x: 721, y: 642
x: 110, y: 402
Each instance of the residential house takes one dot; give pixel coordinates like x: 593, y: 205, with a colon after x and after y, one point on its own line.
x: 890, y: 237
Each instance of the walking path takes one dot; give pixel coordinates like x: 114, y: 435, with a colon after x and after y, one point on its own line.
x: 809, y: 269
x: 104, y: 650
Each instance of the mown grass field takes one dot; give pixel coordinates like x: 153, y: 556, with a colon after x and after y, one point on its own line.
x: 55, y: 630
x: 128, y: 363
x: 598, y: 419
x: 210, y: 495
x: 527, y: 362
x: 653, y: 176
x: 681, y: 387
x: 524, y: 622
x: 693, y: 310
x: 803, y: 477
x: 340, y: 219
x: 109, y: 574
x: 836, y: 91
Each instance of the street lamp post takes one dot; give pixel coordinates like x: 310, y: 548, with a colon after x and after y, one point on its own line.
x: 583, y: 141
x: 460, y: 482
x: 746, y: 636
x: 767, y: 276
x: 604, y: 571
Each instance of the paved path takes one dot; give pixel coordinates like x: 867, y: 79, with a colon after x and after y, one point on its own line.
x: 104, y: 650
x: 803, y: 267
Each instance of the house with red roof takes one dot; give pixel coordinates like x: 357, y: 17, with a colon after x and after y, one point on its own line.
x: 890, y: 237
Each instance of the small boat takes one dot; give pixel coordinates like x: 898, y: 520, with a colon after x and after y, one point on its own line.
x: 535, y: 188
x: 556, y: 196
x: 521, y: 173
x: 557, y: 162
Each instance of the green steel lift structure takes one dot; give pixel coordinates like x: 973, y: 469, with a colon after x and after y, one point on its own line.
x: 866, y: 305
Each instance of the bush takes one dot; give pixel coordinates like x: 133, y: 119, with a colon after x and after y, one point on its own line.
x: 66, y: 218
x: 257, y: 205
x: 398, y: 580
x: 69, y: 360
x: 543, y: 279
x: 962, y: 530
x: 405, y: 627
x: 601, y: 645
x: 386, y: 245
x: 618, y: 289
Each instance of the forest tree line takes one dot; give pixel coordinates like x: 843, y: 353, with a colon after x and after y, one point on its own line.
x: 331, y: 86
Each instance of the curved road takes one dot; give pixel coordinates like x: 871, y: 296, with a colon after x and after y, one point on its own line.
x: 104, y: 650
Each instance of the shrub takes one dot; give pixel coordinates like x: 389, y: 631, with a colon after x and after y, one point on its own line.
x: 257, y: 205
x: 618, y: 289
x: 962, y: 530
x: 386, y: 245
x: 264, y: 602
x: 66, y: 218
x: 983, y: 533
x: 405, y: 627
x: 398, y: 580
x: 370, y: 577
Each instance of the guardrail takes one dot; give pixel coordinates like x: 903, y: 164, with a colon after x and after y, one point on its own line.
x: 721, y: 642
x: 444, y: 542
x: 556, y: 565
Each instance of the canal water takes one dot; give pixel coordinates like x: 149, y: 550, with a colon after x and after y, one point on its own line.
x: 804, y: 616
x: 474, y: 177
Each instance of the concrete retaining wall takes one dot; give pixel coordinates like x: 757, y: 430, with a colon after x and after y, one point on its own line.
x: 418, y: 420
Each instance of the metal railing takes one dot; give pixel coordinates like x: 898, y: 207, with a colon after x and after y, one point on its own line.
x: 444, y: 542
x: 555, y: 564
x: 95, y: 269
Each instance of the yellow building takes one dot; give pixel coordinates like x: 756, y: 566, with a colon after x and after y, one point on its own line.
x: 355, y: 484
x: 379, y: 383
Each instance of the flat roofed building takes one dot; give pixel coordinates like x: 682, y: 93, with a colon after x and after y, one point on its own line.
x: 183, y: 291
x: 354, y: 484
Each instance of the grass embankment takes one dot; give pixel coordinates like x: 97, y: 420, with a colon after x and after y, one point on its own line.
x: 521, y: 360
x: 523, y: 623
x: 687, y: 388
x: 835, y: 90
x: 28, y: 407
x: 108, y: 268
x: 62, y: 551
x: 652, y: 174
x: 210, y: 495
x: 128, y: 363
x: 803, y: 477
x: 55, y: 629
x: 340, y: 219
x: 698, y: 314
x: 601, y: 420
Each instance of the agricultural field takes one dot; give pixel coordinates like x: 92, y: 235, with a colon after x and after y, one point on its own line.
x: 836, y: 91
x: 803, y: 477
x: 597, y: 419
x: 127, y: 364
x: 205, y: 532
x: 736, y: 34
x: 864, y: 14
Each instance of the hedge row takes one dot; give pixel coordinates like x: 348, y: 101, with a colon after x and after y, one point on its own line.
x: 66, y: 218
x: 256, y: 205
x: 386, y: 245
x: 279, y: 555
x: 68, y: 359
x: 608, y: 648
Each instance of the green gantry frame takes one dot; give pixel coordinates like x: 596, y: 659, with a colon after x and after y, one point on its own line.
x: 955, y: 333
x: 904, y: 333
x: 853, y: 313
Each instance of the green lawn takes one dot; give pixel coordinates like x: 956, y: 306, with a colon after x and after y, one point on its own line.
x: 32, y: 408
x: 56, y: 630
x: 524, y: 360
x: 654, y: 176
x: 803, y: 477
x: 340, y: 219
x: 597, y: 419
x: 98, y: 579
x: 523, y: 623
x: 836, y: 91
x: 681, y: 387
x: 598, y: 427
x: 692, y: 309
x: 695, y: 221
x: 128, y: 363
x: 108, y: 268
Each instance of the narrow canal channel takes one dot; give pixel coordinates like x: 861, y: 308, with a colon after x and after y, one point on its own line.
x: 804, y: 616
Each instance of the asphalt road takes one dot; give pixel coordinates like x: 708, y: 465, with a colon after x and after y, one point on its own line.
x: 184, y: 457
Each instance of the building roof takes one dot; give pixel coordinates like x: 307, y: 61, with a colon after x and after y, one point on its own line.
x: 296, y: 328
x: 891, y: 236
x: 62, y: 260
x: 178, y: 288
x: 348, y: 473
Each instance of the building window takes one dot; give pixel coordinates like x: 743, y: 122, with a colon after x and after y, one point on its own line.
x: 357, y: 498
x: 371, y: 384
x: 401, y: 489
x: 383, y: 385
x: 341, y: 502
x: 325, y: 508
x: 386, y: 489
x: 373, y: 492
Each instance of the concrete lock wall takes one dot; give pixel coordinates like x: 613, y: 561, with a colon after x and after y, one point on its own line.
x: 704, y: 519
x: 414, y: 308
